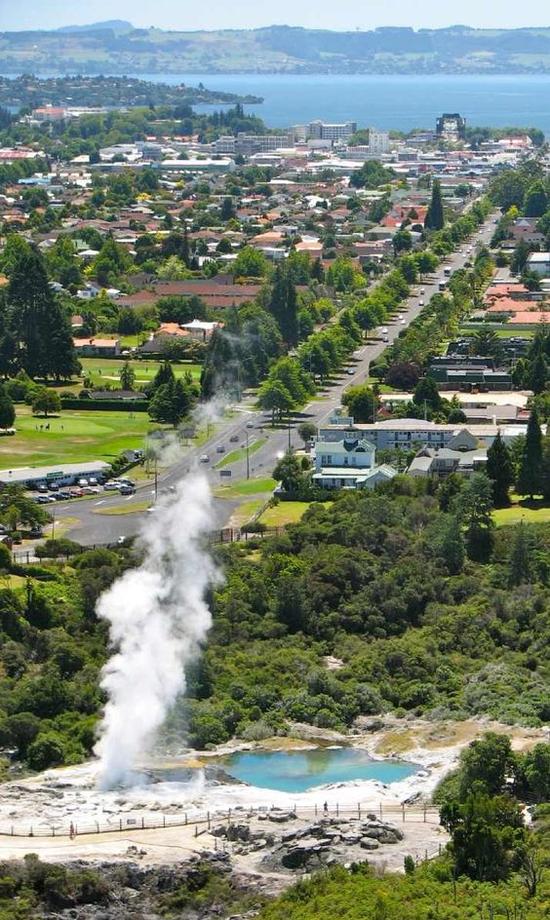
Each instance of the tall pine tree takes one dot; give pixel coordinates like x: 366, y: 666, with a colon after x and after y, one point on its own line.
x: 530, y: 474
x: 435, y: 219
x: 500, y: 470
x: 283, y: 305
x: 39, y: 324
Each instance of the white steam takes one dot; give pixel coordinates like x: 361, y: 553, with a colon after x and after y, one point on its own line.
x: 158, y: 619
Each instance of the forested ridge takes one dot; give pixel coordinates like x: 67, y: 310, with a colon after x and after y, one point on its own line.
x: 382, y: 581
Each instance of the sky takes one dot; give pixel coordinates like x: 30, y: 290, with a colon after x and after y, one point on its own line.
x: 216, y: 14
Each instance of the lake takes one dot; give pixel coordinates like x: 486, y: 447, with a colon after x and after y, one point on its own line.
x: 298, y: 771
x: 398, y: 102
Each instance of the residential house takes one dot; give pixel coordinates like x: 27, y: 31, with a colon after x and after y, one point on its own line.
x: 348, y: 464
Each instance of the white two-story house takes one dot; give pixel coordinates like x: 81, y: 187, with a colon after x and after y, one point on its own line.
x: 348, y: 464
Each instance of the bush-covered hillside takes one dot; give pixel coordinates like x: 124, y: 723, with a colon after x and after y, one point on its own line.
x: 381, y: 581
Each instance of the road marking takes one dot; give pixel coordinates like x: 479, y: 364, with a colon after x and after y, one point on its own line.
x: 102, y: 502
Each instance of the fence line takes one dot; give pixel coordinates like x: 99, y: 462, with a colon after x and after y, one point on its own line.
x: 215, y: 538
x: 381, y: 810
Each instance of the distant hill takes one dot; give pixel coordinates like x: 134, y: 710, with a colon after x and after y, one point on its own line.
x: 116, y: 47
x: 115, y: 25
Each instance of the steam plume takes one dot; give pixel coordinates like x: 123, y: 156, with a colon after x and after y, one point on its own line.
x: 158, y: 618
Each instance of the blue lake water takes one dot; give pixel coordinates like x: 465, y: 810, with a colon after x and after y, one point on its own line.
x: 385, y: 101
x: 298, y: 771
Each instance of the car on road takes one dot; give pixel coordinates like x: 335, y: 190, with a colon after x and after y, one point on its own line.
x: 35, y: 533
x: 127, y: 490
x: 384, y: 330
x: 204, y: 458
x: 250, y: 424
x: 420, y: 303
x: 126, y: 482
x: 220, y: 449
x: 350, y: 371
x: 402, y: 322
x: 385, y: 338
x: 422, y: 290
x: 234, y: 438
x: 121, y: 541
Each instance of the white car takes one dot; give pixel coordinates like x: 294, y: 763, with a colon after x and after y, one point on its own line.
x: 402, y: 322
x: 204, y: 458
x: 112, y: 486
x: 420, y: 303
x: 422, y: 290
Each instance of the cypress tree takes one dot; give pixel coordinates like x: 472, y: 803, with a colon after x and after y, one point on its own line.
x: 530, y: 474
x: 435, y: 219
x: 7, y: 410
x: 545, y: 467
x: 283, y: 305
x: 452, y: 545
x: 500, y: 471
x: 538, y: 375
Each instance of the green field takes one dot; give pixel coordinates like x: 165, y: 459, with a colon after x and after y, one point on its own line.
x: 247, y: 487
x: 108, y: 370
x: 73, y: 436
x: 523, y: 510
x: 284, y: 513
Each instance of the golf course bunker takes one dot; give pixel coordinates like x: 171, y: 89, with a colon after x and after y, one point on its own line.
x: 300, y: 771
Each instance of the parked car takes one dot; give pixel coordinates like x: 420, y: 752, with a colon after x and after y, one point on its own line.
x: 42, y: 487
x: 35, y: 533
x: 112, y: 486
x: 83, y: 482
x: 54, y: 486
x: 64, y: 494
x: 50, y: 498
x: 76, y: 493
x: 41, y: 499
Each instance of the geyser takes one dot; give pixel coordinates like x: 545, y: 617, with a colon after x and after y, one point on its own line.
x: 157, y: 620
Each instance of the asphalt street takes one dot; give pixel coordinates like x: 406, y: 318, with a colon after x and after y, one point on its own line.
x: 231, y: 432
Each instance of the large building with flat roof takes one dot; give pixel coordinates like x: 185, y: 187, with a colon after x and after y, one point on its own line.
x: 66, y: 475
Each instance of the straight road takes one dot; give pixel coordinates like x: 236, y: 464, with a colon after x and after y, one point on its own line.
x: 244, y: 420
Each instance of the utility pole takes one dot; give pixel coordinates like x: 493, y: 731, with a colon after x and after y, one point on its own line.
x: 289, y: 434
x: 156, y: 477
x: 247, y: 458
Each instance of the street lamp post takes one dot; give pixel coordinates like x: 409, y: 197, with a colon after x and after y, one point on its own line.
x: 247, y: 458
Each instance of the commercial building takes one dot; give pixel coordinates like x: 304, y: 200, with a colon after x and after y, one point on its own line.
x: 321, y: 130
x: 69, y: 474
x: 248, y: 144
x: 407, y: 433
x: 451, y: 126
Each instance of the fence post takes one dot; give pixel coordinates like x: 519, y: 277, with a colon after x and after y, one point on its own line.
x: 359, y: 810
x: 196, y: 830
x: 424, y: 812
x: 337, y: 810
x: 120, y: 824
x: 53, y: 831
x: 31, y: 834
x: 143, y: 823
x: 208, y: 819
x: 186, y: 817
x: 97, y: 827
x: 164, y: 820
x: 316, y: 809
x: 380, y: 810
x: 229, y: 816
x: 403, y: 811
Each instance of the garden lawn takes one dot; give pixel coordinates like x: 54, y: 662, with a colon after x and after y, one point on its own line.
x: 246, y: 487
x: 530, y: 512
x: 74, y: 436
x: 104, y: 371
x: 284, y: 513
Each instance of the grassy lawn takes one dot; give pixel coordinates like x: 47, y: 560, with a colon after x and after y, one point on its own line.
x: 240, y: 454
x: 246, y: 487
x: 107, y: 370
x: 73, y: 436
x: 245, y: 512
x: 530, y: 512
x: 284, y: 513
